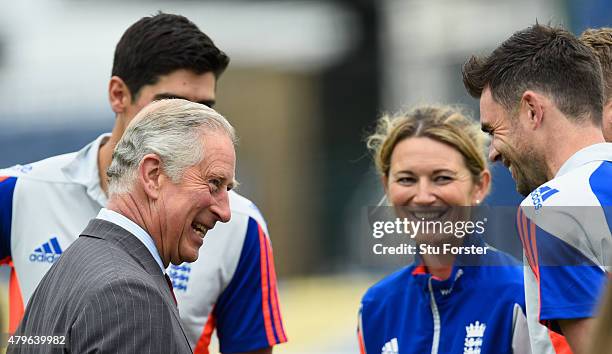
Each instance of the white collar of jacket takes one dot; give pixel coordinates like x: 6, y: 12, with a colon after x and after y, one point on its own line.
x: 596, y: 152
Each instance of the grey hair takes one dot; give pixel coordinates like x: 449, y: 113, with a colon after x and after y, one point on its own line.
x: 172, y: 129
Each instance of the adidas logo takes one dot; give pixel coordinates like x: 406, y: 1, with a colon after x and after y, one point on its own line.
x: 473, y: 337
x: 390, y: 347
x: 22, y: 168
x: 540, y: 195
x: 48, y: 252
x: 179, y: 275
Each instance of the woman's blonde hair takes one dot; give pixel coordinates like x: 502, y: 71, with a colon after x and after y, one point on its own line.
x: 446, y: 124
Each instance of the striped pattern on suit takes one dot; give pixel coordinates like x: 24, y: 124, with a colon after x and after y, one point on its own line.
x: 105, y: 294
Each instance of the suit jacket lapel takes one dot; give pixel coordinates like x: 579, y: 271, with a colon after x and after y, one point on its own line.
x: 138, y: 251
x: 129, y: 243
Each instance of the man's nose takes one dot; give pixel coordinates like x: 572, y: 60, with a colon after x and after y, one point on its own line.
x: 222, y: 208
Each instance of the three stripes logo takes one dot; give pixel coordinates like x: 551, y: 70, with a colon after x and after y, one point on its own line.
x: 48, y: 252
x: 540, y: 195
x: 391, y: 347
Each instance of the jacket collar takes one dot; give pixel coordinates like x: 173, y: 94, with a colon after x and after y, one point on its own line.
x: 596, y: 152
x: 106, y: 230
x: 446, y: 286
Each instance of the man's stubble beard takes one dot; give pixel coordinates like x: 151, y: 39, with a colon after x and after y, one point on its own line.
x: 531, y: 174
x: 529, y: 166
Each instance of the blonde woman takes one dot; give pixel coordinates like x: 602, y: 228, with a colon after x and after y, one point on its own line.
x: 432, y: 158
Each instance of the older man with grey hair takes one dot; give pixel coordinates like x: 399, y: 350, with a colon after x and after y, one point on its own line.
x: 169, y: 182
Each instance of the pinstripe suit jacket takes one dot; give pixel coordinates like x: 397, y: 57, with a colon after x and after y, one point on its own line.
x: 105, y: 294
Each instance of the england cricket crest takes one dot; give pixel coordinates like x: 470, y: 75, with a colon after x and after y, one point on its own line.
x: 473, y: 337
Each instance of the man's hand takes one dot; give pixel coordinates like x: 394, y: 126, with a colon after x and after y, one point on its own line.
x: 577, y: 333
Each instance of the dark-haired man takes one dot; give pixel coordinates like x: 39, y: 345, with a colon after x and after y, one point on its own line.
x: 232, y: 285
x: 541, y: 101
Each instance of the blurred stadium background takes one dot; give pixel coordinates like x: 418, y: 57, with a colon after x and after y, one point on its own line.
x: 306, y: 81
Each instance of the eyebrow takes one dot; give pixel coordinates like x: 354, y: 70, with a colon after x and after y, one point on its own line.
x: 441, y: 170
x: 444, y: 170
x: 162, y: 96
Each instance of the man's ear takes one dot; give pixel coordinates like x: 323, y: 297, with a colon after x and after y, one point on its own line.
x: 532, y: 109
x: 606, y: 123
x: 150, y: 175
x: 119, y: 95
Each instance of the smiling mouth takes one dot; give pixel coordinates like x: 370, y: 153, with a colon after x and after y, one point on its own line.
x: 509, y: 167
x: 506, y: 163
x: 199, y: 229
x: 429, y: 214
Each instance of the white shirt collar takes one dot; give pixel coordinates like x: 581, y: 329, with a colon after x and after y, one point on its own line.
x: 134, y: 229
x: 84, y: 169
x: 596, y: 152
